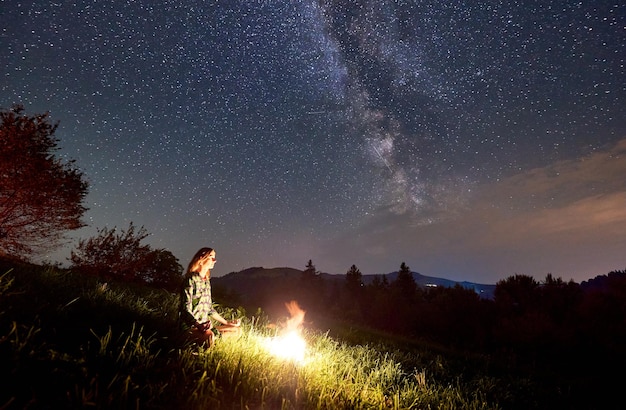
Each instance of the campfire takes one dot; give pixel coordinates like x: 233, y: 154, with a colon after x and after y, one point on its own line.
x: 289, y: 344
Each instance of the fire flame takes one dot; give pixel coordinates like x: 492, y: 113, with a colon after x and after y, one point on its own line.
x: 289, y: 344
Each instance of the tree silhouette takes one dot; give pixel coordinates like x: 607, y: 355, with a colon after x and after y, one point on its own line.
x: 311, y: 292
x: 41, y: 197
x: 354, y: 279
x: 354, y: 294
x: 516, y: 293
x: 405, y: 284
x: 121, y: 256
x: 310, y: 269
x: 380, y: 304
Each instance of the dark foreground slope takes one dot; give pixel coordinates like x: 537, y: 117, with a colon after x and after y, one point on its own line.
x: 68, y: 340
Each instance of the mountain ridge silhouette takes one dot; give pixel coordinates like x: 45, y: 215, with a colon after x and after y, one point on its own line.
x: 238, y: 280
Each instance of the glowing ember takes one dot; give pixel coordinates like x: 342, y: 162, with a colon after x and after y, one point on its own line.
x: 290, y: 345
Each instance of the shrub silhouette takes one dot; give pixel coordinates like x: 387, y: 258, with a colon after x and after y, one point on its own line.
x: 122, y: 256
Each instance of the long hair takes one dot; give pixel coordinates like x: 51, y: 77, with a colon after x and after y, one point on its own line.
x: 194, y: 264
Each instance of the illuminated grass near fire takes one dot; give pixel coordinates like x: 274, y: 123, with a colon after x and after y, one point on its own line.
x: 327, y: 374
x: 237, y: 372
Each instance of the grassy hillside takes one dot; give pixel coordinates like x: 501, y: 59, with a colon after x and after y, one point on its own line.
x: 70, y: 341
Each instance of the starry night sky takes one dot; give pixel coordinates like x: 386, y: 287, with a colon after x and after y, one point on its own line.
x: 473, y: 140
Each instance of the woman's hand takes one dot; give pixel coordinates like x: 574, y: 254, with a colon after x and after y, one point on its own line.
x: 204, y: 327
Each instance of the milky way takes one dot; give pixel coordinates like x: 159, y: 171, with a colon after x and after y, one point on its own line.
x: 365, y: 132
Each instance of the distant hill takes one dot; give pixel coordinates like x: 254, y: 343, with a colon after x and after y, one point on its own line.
x: 248, y: 280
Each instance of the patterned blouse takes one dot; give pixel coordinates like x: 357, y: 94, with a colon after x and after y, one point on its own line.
x: 197, y: 305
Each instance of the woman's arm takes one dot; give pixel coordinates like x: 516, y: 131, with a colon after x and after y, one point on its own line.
x: 187, y: 295
x: 223, y: 321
